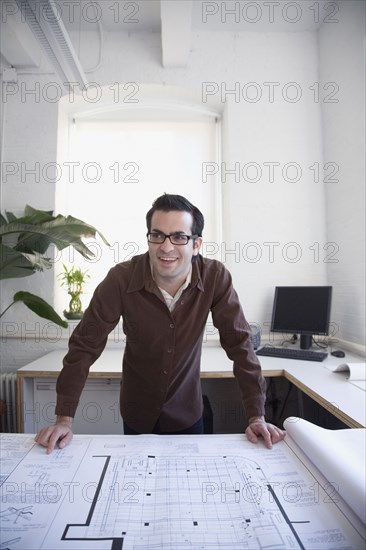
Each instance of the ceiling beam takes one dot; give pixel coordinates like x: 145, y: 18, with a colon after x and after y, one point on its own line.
x: 18, y: 45
x: 52, y: 35
x: 176, y: 19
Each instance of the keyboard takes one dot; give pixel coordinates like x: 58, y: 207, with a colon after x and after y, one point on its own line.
x: 289, y: 353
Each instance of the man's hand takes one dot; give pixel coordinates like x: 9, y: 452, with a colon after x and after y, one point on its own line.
x: 60, y: 433
x: 259, y: 427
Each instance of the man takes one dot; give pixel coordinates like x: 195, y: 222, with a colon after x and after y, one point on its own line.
x: 164, y: 297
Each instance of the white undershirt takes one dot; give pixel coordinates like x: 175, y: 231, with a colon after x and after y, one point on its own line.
x: 171, y: 301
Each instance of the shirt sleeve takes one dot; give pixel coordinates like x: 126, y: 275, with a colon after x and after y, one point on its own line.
x: 87, y: 343
x: 235, y: 338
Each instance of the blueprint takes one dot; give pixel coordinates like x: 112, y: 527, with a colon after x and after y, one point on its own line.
x: 169, y: 492
x: 340, y: 454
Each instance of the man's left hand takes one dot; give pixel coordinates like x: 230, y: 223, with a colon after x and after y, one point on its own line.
x: 258, y: 427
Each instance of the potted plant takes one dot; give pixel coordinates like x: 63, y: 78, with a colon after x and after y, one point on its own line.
x: 24, y: 243
x: 74, y: 280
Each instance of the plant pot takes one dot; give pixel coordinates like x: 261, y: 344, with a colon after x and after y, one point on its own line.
x: 71, y: 316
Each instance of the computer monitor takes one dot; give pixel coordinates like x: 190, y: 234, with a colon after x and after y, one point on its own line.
x: 303, y: 310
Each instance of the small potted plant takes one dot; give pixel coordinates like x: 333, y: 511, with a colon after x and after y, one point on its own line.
x: 74, y: 280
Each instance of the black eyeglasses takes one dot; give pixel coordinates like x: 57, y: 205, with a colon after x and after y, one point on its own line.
x: 177, y: 239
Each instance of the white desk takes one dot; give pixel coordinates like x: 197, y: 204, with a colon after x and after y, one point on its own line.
x: 331, y: 390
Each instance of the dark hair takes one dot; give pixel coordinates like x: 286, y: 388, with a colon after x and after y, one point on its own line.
x: 167, y: 203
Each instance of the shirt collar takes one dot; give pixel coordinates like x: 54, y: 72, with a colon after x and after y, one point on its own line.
x: 142, y: 276
x: 184, y: 284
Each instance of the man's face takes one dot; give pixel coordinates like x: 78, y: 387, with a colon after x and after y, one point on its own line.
x: 170, y: 262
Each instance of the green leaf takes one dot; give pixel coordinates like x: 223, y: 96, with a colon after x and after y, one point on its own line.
x: 30, y: 211
x: 13, y: 263
x: 60, y: 231
x: 11, y: 217
x: 73, y: 226
x: 28, y: 242
x: 26, y: 230
x: 40, y: 307
x: 38, y: 261
x: 20, y: 264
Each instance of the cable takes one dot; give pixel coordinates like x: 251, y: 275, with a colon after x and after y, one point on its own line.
x: 320, y: 345
x: 2, y: 147
x: 101, y: 39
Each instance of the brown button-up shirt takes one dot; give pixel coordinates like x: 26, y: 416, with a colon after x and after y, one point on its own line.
x: 161, y: 361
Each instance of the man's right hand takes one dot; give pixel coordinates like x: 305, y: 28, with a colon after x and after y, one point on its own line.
x: 60, y: 433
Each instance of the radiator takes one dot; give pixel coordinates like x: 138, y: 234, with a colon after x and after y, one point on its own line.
x: 8, y: 418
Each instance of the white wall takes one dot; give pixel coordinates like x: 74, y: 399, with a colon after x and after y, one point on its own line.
x: 342, y: 61
x: 274, y: 227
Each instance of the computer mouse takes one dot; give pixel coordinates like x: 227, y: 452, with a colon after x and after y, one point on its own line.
x: 338, y: 353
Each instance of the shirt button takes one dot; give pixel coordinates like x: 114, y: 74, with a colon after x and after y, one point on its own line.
x: 165, y: 372
x: 171, y: 325
x: 169, y: 350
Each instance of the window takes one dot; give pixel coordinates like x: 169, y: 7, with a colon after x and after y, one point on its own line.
x: 118, y: 163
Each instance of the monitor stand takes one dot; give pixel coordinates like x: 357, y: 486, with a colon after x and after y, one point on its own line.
x: 305, y: 341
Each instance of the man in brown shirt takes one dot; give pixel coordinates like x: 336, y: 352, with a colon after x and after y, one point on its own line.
x: 164, y: 297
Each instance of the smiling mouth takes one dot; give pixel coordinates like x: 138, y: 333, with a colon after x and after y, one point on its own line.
x: 167, y: 260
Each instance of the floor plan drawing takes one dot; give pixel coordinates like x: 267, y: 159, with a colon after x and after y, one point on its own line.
x: 174, y: 493
x: 200, y: 502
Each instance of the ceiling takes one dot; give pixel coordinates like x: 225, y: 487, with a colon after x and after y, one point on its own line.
x: 175, y: 20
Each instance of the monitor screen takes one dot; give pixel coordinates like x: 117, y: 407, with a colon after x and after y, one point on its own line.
x: 303, y: 310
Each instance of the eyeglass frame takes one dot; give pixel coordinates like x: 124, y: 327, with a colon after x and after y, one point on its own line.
x: 189, y: 237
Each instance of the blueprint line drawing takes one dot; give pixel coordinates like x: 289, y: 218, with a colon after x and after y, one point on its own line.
x: 13, y: 514
x: 172, y: 493
x: 232, y: 516
x: 204, y: 502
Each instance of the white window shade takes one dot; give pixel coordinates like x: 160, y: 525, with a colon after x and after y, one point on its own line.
x: 116, y: 168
